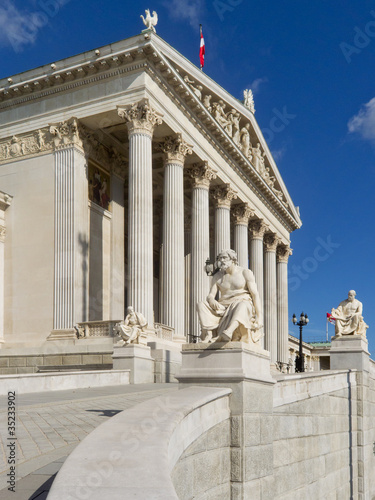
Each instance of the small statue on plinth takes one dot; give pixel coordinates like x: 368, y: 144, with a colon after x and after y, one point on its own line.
x: 237, y: 314
x: 132, y: 329
x: 348, y: 316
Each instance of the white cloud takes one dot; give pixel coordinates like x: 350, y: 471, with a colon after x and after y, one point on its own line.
x: 16, y: 27
x: 279, y: 153
x: 363, y: 123
x: 191, y: 10
x: 254, y: 86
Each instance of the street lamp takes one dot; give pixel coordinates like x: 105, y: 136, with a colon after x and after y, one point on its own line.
x: 303, y: 320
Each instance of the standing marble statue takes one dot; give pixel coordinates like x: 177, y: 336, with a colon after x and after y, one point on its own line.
x: 237, y: 314
x: 131, y: 330
x: 348, y: 316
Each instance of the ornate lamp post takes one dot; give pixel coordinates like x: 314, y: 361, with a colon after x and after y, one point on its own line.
x: 303, y: 320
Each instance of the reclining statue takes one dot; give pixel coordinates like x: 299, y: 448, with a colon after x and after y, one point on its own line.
x: 236, y: 315
x: 348, y: 316
x: 131, y: 330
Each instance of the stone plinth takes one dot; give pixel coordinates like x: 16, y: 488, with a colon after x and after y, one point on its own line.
x: 230, y: 361
x: 136, y: 358
x: 245, y: 369
x: 349, y: 352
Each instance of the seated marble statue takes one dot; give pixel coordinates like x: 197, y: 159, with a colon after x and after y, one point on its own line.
x: 131, y: 330
x: 348, y: 316
x: 236, y: 315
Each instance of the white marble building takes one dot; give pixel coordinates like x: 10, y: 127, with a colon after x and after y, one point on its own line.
x: 122, y: 170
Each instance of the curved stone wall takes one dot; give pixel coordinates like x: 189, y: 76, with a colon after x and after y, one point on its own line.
x: 136, y: 453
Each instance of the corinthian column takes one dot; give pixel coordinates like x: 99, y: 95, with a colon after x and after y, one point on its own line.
x: 141, y: 120
x: 270, y: 295
x: 282, y: 255
x: 172, y: 307
x: 202, y: 175
x: 71, y: 231
x: 241, y: 215
x: 257, y: 229
x: 5, y: 201
x: 223, y: 196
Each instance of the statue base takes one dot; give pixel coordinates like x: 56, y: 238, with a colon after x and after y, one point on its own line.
x: 136, y: 358
x: 349, y: 352
x: 219, y: 361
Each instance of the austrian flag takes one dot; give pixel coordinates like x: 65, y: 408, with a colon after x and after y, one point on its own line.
x: 331, y: 319
x: 202, y: 49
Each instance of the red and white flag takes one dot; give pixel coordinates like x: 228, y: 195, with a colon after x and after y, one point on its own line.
x: 331, y: 319
x: 202, y: 49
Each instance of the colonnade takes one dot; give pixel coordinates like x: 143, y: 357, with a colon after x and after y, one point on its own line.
x: 256, y: 245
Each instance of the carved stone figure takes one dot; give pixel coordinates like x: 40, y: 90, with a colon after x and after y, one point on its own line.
x: 257, y: 155
x: 236, y: 128
x: 150, y: 21
x: 245, y: 141
x: 197, y: 89
x: 218, y: 109
x: 248, y: 100
x: 132, y: 329
x: 237, y: 314
x: 348, y: 316
x: 207, y: 102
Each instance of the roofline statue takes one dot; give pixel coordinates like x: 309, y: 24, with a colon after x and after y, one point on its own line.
x: 150, y: 21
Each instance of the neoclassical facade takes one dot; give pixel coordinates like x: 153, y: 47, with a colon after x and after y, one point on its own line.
x: 122, y: 170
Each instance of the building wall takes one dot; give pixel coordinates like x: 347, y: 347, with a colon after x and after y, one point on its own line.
x: 323, y: 436
x: 29, y: 249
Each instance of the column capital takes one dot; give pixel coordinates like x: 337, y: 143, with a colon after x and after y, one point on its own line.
x: 141, y: 117
x: 271, y: 241
x: 202, y: 174
x: 175, y: 149
x: 258, y: 228
x: 283, y: 252
x: 242, y: 213
x: 224, y: 195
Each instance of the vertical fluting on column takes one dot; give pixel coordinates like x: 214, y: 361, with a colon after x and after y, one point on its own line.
x: 282, y: 256
x: 241, y: 215
x: 223, y: 196
x: 5, y: 201
x: 270, y: 295
x: 175, y: 149
x: 63, y: 318
x: 257, y: 229
x: 202, y: 175
x: 141, y: 120
x: 187, y: 239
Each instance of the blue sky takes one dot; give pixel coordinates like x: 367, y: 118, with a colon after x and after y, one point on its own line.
x: 307, y: 59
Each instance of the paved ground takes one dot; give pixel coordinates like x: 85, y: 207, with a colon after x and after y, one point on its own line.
x: 51, y: 424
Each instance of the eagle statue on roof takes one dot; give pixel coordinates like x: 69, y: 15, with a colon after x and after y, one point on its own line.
x: 150, y: 21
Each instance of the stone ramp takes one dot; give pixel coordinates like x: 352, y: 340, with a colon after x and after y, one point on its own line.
x: 51, y: 424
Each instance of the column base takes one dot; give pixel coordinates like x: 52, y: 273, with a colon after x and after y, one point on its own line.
x: 66, y: 334
x: 230, y: 361
x: 349, y: 352
x: 136, y: 358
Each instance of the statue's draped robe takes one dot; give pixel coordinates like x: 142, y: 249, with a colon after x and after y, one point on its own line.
x: 237, y: 306
x: 346, y: 326
x: 131, y: 328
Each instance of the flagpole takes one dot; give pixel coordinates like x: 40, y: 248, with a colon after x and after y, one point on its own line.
x: 326, y: 329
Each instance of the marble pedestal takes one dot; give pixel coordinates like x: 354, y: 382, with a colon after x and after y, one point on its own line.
x: 349, y: 352
x: 136, y: 358
x: 245, y: 369
x: 231, y: 361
